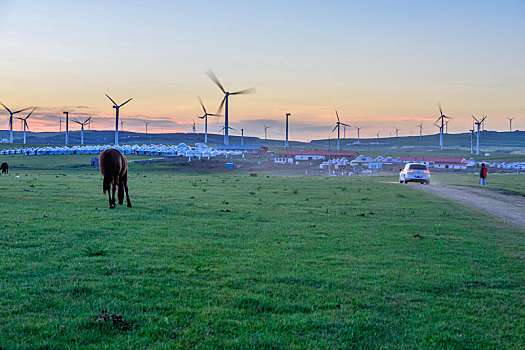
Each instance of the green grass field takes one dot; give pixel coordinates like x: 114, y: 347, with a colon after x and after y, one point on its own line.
x: 231, y: 261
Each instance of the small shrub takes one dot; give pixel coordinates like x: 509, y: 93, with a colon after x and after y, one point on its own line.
x: 94, y: 250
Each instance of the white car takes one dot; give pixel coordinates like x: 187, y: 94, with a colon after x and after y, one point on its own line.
x: 415, y: 172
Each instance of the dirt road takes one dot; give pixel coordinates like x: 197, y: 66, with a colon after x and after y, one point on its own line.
x: 508, y: 207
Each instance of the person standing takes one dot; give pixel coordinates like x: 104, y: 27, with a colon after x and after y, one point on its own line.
x: 483, y: 175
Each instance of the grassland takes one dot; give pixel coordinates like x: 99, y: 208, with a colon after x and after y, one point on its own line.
x: 512, y: 183
x: 228, y: 260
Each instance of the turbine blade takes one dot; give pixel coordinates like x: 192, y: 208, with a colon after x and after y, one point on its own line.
x: 335, y: 128
x: 213, y: 77
x: 485, y: 117
x: 6, y: 107
x: 214, y: 115
x: 475, y: 119
x: 202, y: 105
x: 245, y: 91
x: 221, y: 105
x: 349, y: 125
x: 21, y: 110
x: 337, y: 115
x: 88, y: 119
x: 440, y: 110
x: 111, y: 100
x: 126, y: 102
x: 31, y: 112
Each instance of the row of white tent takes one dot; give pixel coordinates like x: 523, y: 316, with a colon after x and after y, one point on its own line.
x: 200, y: 150
x: 335, y: 163
x: 513, y: 165
x: 364, y: 160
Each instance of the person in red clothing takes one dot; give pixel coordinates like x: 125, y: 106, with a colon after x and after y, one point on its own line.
x: 483, y: 175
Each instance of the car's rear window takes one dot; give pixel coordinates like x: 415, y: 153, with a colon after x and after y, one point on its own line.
x: 418, y: 167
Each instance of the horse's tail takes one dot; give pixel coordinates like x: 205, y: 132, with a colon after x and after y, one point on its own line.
x: 106, y: 169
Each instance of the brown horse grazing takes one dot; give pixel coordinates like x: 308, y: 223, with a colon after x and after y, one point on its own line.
x: 5, y: 168
x: 114, y: 168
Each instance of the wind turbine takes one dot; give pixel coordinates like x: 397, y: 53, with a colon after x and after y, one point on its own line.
x: 85, y: 122
x: 377, y: 135
x: 420, y: 129
x: 338, y: 127
x: 442, y: 117
x: 11, y: 120
x: 193, y: 128
x: 117, y: 109
x: 60, y: 123
x: 242, y: 136
x: 358, y: 137
x: 147, y: 123
x: 265, y: 132
x: 224, y: 128
x: 24, y: 121
x: 510, y: 123
x: 344, y: 131
x: 67, y: 126
x: 205, y: 117
x: 212, y: 76
x: 446, y: 127
x: 286, y: 142
x: 478, y: 125
x: 122, y: 125
x: 397, y: 132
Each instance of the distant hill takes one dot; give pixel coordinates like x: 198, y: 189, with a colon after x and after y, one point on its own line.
x: 490, y: 140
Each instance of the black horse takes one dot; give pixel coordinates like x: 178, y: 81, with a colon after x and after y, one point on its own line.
x: 5, y: 168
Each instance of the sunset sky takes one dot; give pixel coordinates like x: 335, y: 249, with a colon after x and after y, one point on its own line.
x: 381, y: 64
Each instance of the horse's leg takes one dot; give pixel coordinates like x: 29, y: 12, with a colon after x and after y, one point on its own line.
x: 125, y: 183
x: 120, y: 192
x: 110, y: 203
x: 112, y: 200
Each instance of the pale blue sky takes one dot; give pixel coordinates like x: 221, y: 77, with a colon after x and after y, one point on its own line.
x: 380, y: 63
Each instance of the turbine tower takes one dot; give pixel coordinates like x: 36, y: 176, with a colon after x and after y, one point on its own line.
x: 510, y: 123
x: 85, y: 122
x: 344, y: 131
x: 60, y: 123
x: 441, y: 118
x: 205, y: 117
x: 147, y: 123
x: 193, y: 128
x: 11, y: 120
x: 67, y: 126
x: 420, y: 129
x: 286, y: 142
x: 338, y: 127
x: 397, y: 132
x: 227, y: 94
x: 24, y: 122
x: 471, y: 140
x: 358, y: 135
x: 478, y: 125
x: 242, y: 136
x: 117, y: 109
x: 265, y: 132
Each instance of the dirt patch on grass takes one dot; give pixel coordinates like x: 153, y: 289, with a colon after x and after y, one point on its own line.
x: 507, y: 206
